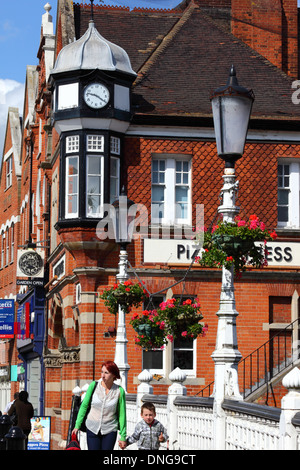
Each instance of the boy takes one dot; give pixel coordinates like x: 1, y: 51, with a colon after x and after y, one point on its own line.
x: 149, y: 432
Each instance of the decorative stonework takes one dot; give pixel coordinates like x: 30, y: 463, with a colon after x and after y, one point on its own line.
x: 66, y: 355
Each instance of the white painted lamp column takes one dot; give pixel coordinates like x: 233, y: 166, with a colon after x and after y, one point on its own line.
x: 231, y: 105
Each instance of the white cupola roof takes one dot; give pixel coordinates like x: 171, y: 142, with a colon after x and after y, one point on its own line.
x: 92, y: 52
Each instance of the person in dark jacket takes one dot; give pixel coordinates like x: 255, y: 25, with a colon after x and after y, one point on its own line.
x: 24, y: 411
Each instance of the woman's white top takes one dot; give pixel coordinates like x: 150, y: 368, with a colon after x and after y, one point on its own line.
x: 103, y: 414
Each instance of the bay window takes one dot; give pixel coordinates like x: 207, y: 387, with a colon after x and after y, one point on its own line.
x: 90, y: 175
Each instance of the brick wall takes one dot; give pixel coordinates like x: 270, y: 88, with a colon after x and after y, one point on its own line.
x: 271, y: 28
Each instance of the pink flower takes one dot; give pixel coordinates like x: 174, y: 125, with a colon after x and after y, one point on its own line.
x: 262, y: 226
x: 170, y: 338
x: 241, y: 223
x: 253, y: 224
x: 184, y: 333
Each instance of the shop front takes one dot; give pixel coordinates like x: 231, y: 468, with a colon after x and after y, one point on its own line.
x: 30, y: 339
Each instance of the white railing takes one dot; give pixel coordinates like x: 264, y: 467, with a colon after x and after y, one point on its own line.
x: 191, y: 422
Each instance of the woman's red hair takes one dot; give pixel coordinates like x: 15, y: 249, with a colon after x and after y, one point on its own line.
x: 112, y: 368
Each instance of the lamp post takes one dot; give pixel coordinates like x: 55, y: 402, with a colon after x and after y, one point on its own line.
x: 123, y: 222
x: 231, y: 105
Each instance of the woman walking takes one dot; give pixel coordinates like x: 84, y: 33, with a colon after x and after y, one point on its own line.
x: 104, y: 410
x: 23, y: 409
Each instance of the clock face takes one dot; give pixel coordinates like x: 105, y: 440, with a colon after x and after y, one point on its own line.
x: 96, y: 95
x: 30, y: 263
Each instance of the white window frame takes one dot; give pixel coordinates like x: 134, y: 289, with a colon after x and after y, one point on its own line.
x: 189, y: 372
x: 71, y: 215
x: 72, y: 144
x: 170, y: 185
x: 294, y: 194
x: 2, y: 249
x: 115, y: 145
x: 7, y: 247
x: 77, y: 293
x: 99, y: 213
x: 12, y: 244
x: 164, y: 355
x: 116, y: 177
x: 8, y: 164
x: 62, y: 261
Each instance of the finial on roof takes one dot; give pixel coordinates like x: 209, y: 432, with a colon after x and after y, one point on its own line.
x: 48, y: 7
x: 92, y: 10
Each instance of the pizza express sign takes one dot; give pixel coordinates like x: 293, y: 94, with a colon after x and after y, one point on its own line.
x: 282, y: 254
x: 30, y: 264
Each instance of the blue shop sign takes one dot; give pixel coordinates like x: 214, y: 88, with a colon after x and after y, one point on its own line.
x: 7, y: 318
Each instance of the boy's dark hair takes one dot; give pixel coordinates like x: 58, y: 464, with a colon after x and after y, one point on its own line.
x: 148, y: 405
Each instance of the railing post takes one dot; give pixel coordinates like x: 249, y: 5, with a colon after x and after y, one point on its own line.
x: 177, y: 376
x: 5, y: 425
x: 290, y: 405
x: 144, y: 388
x: 15, y: 439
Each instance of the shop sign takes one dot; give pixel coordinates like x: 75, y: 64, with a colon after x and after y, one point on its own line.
x: 39, y: 437
x: 7, y: 317
x: 30, y: 264
x: 23, y: 321
x: 281, y: 254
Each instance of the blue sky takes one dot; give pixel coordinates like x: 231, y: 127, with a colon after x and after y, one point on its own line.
x: 20, y: 25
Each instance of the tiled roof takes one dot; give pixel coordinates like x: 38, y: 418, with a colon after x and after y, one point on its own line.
x: 180, y: 57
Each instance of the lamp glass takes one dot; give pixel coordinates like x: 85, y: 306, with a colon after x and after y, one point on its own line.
x: 231, y: 114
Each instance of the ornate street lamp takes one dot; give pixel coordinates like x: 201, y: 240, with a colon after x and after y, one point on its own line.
x: 231, y: 107
x: 124, y: 215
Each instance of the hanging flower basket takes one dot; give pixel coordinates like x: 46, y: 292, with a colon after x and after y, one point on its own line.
x: 171, y: 320
x: 233, y: 244
x: 126, y: 294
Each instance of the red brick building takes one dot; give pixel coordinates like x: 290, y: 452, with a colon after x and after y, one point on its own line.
x: 179, y: 56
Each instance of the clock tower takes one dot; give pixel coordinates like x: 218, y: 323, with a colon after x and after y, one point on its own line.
x: 91, y: 84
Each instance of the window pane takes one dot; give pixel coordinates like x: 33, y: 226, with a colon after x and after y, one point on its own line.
x: 72, y: 204
x: 94, y: 185
x: 152, y: 359
x: 283, y: 214
x: 73, y: 166
x: 72, y: 186
x: 158, y: 193
x: 72, y: 143
x: 158, y: 202
x: 183, y: 359
x: 94, y: 165
x: 283, y: 197
x: 181, y: 202
x: 94, y: 204
x: 95, y: 143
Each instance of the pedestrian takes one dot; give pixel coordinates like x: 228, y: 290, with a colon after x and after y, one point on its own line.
x: 23, y: 410
x: 6, y: 409
x: 148, y: 433
x: 103, y: 410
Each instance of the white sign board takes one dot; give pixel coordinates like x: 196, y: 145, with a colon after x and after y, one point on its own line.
x: 283, y: 254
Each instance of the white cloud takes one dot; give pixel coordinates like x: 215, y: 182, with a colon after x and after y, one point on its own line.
x: 11, y: 94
